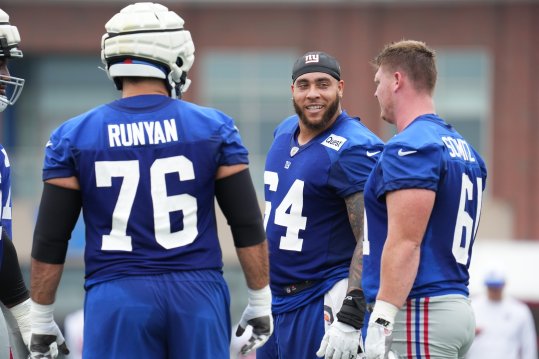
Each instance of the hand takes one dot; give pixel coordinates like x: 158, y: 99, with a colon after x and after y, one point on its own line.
x: 340, y: 341
x: 258, y: 315
x: 21, y: 313
x: 378, y: 341
x: 46, y: 340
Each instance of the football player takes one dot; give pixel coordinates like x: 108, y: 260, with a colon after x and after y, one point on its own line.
x: 13, y: 292
x: 314, y: 176
x: 423, y: 203
x: 146, y: 169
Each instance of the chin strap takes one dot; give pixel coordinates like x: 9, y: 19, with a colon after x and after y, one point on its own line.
x: 178, y: 88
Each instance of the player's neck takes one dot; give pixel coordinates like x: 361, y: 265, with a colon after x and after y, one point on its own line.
x: 144, y: 88
x: 411, y: 108
x: 306, y: 134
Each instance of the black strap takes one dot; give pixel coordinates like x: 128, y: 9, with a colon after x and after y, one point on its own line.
x: 353, y: 309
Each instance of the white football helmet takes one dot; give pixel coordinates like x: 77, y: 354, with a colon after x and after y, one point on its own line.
x: 10, y: 86
x: 147, y: 40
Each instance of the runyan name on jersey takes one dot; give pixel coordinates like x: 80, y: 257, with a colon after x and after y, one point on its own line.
x: 458, y: 148
x: 142, y: 133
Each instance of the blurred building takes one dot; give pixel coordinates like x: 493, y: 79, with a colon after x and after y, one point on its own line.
x: 488, y: 82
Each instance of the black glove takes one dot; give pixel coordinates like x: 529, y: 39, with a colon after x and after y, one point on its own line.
x: 353, y: 309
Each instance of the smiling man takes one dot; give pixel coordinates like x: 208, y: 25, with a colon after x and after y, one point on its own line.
x: 315, y: 172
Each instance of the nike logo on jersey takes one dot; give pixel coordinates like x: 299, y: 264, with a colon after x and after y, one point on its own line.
x: 373, y: 153
x: 334, y: 142
x: 405, y: 153
x: 49, y: 144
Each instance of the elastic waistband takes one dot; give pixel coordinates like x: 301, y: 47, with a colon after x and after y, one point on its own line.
x: 438, y: 298
x: 298, y: 287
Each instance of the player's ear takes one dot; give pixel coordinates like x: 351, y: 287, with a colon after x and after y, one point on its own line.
x: 398, y: 80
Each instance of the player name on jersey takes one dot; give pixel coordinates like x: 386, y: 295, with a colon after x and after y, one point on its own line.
x: 142, y: 133
x: 458, y: 148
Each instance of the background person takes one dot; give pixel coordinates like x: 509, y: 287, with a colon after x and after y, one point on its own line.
x: 504, y: 325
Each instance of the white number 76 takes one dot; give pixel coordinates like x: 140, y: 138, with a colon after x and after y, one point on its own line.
x: 162, y: 203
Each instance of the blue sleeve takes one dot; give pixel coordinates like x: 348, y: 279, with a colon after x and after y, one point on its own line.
x: 349, y: 172
x: 233, y: 151
x: 5, y: 188
x: 405, y: 166
x: 59, y: 161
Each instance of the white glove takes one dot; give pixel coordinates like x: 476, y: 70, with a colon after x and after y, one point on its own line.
x: 21, y: 313
x: 378, y: 341
x: 46, y: 339
x: 341, y: 341
x: 258, y: 315
x: 237, y: 343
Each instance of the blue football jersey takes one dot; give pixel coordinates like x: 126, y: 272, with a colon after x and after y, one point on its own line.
x: 306, y: 220
x: 428, y: 154
x: 5, y: 195
x: 146, y: 167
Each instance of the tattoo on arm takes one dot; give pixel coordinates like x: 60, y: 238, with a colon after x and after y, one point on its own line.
x: 355, y: 208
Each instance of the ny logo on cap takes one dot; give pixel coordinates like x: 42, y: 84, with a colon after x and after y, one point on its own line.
x: 312, y: 58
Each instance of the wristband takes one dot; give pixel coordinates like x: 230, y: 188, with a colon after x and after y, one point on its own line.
x: 20, y: 313
x: 260, y: 297
x: 353, y: 309
x: 384, y: 313
x: 41, y: 313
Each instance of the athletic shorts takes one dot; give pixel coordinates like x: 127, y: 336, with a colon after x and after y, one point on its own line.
x: 174, y: 315
x: 297, y: 334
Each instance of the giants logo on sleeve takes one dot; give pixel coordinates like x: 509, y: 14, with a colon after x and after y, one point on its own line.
x: 334, y: 142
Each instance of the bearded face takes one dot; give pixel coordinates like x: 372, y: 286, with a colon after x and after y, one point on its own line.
x: 318, y: 123
x: 317, y: 100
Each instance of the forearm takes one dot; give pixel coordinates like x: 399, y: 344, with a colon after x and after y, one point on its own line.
x: 355, y: 208
x: 44, y: 333
x: 44, y: 279
x: 400, y: 262
x: 356, y: 269
x: 255, y: 264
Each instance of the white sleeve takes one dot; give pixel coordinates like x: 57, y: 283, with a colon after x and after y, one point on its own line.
x: 529, y: 336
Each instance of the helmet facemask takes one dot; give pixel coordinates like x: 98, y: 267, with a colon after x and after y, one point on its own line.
x: 10, y: 86
x: 10, y: 90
